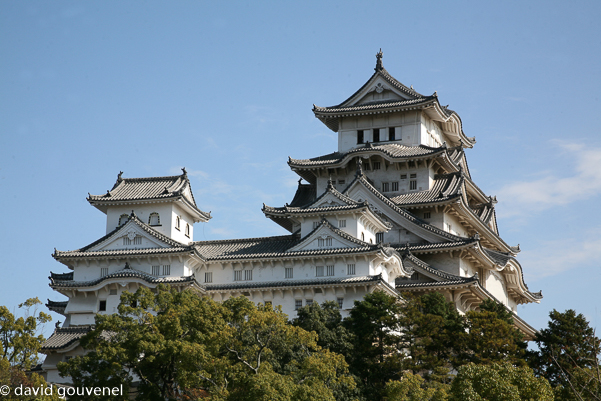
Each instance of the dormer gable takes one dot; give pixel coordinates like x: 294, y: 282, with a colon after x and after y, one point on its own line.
x: 325, y: 236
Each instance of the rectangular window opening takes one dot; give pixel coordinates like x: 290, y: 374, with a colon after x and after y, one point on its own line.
x: 360, y: 136
x: 376, y: 134
x: 237, y: 275
x: 350, y: 269
x: 248, y: 275
x: 104, y: 271
x: 156, y: 270
x: 395, y: 186
x: 427, y: 215
x: 412, y: 185
x: 385, y: 187
x: 330, y: 270
x: 391, y: 136
x: 289, y: 272
x: 298, y: 303
x: 376, y: 165
x: 102, y: 306
x: 166, y: 270
x: 341, y: 223
x: 208, y: 277
x: 340, y: 302
x: 319, y: 271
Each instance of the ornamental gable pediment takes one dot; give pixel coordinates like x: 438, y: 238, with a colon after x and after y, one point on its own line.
x: 129, y: 236
x: 323, y: 238
x: 376, y: 91
x: 330, y: 200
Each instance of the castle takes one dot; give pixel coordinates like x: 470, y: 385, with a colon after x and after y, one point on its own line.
x: 393, y: 209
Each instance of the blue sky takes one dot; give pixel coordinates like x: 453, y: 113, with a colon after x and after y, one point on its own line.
x: 225, y: 89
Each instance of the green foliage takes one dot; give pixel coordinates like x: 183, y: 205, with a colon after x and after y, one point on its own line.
x: 414, y: 388
x: 376, y: 326
x: 19, y: 338
x: 434, y: 336
x: 15, y: 378
x: 493, y: 337
x: 499, y: 382
x: 568, y: 356
x: 183, y: 346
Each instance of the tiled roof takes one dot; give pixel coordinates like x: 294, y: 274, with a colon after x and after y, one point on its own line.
x: 378, y: 105
x: 459, y: 281
x: 305, y: 194
x: 293, y: 283
x: 127, y: 272
x: 65, y: 336
x: 57, y: 306
x: 444, y: 188
x: 61, y: 276
x: 425, y: 248
x: 149, y: 188
x: 81, y: 252
x: 393, y: 150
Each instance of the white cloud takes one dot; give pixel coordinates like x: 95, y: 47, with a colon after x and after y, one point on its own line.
x: 558, y: 256
x: 553, y: 189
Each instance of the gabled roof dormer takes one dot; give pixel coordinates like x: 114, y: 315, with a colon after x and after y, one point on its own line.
x: 325, y: 236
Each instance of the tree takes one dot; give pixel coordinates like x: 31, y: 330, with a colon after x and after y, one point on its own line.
x: 493, y: 336
x: 414, y: 388
x: 434, y: 336
x: 499, y: 382
x: 20, y: 341
x: 568, y: 356
x: 376, y: 326
x: 182, y: 346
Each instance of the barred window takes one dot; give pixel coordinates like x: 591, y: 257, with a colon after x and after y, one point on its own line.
x: 298, y: 303
x: 330, y: 270
x: 187, y: 230
x: 208, y: 277
x: 413, y: 175
x: 391, y: 136
x: 289, y: 272
x: 104, y: 271
x: 379, y: 237
x: 412, y: 184
x: 319, y: 271
x: 340, y: 302
x: 126, y: 241
x: 376, y: 165
x: 137, y: 240
x: 341, y: 223
x: 166, y: 270
x: 237, y: 275
x: 395, y: 186
x: 156, y: 270
x: 248, y: 275
x: 309, y: 302
x: 350, y: 269
x: 427, y: 215
x: 403, y: 176
x: 385, y: 187
x: 376, y: 134
x: 341, y: 182
x: 154, y: 219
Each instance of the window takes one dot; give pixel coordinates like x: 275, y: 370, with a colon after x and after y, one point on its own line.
x: 187, y: 230
x: 298, y: 303
x: 289, y: 272
x: 340, y: 302
x: 123, y: 219
x: 237, y: 275
x: 414, y: 175
x: 137, y: 240
x: 360, y: 136
x: 156, y: 270
x: 403, y: 176
x: 319, y: 271
x: 321, y: 242
x: 153, y: 219
x: 395, y: 186
x: 376, y: 165
x: 391, y: 136
x: 379, y: 237
x: 385, y: 187
x: 134, y: 304
x: 411, y: 164
x: 248, y: 275
x: 208, y: 277
x: 427, y: 215
x: 415, y: 276
x: 350, y: 269
x: 102, y: 306
x: 166, y: 270
x: 341, y: 223
x: 448, y: 227
x: 104, y: 271
x: 113, y: 291
x: 413, y: 185
x: 362, y: 236
x: 341, y: 182
x: 330, y: 270
x: 366, y: 167
x: 315, y: 224
x: 376, y: 134
x: 177, y: 222
x: 126, y: 241
x: 309, y: 302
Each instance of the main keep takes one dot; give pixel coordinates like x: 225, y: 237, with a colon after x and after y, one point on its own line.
x: 394, y: 209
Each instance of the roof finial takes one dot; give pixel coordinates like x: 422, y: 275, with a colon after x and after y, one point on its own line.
x: 119, y: 176
x: 379, y: 66
x: 359, y: 168
x: 299, y: 180
x: 185, y: 173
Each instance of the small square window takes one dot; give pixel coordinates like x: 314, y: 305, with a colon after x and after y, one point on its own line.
x: 298, y: 303
x: 427, y: 215
x: 113, y: 291
x: 413, y: 185
x: 319, y: 271
x: 289, y: 272
x: 102, y: 306
x: 341, y: 182
x: 376, y: 165
x: 350, y: 269
x: 208, y: 277
x: 340, y: 302
x: 309, y: 302
x: 330, y: 270
x: 403, y: 176
x: 395, y: 186
x: 414, y: 175
x: 341, y: 223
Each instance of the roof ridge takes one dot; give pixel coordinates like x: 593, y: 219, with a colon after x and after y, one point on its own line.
x: 292, y: 236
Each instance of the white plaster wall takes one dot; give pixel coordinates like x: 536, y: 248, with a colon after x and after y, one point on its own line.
x: 495, y: 284
x: 442, y: 261
x: 84, y: 272
x: 456, y: 227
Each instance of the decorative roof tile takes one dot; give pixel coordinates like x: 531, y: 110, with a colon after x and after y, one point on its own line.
x: 444, y: 188
x: 65, y: 336
x: 293, y: 283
